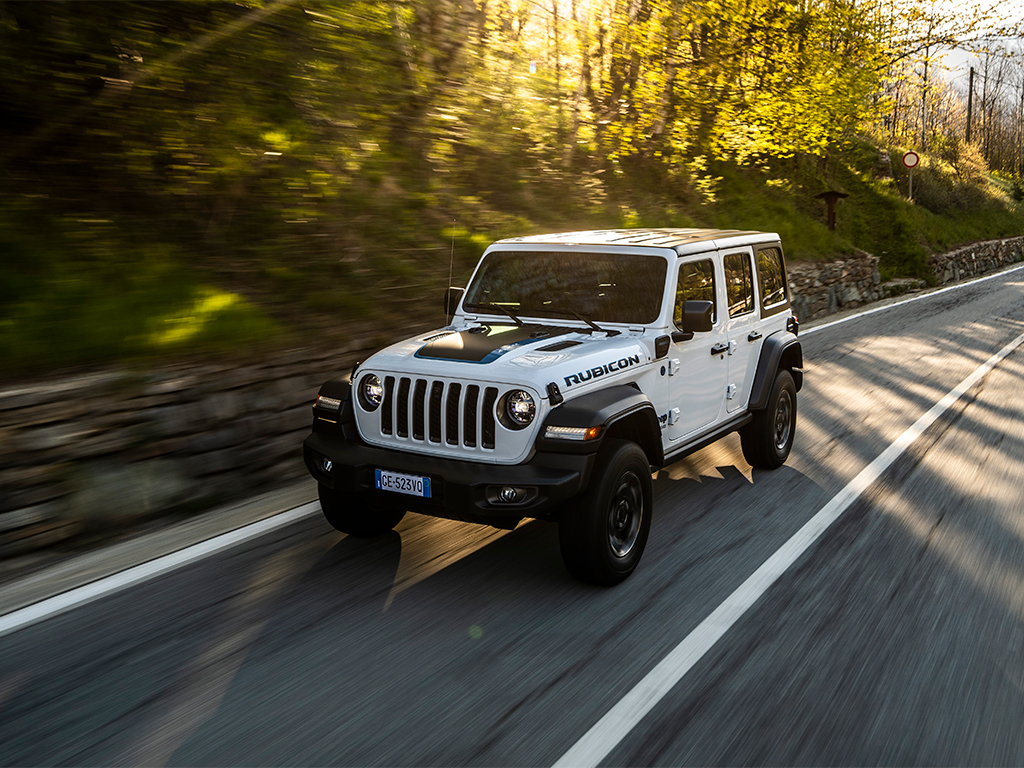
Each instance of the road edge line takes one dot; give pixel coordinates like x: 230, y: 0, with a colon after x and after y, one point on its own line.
x: 610, y: 730
x: 87, y: 593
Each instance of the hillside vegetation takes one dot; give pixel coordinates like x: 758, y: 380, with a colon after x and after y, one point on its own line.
x: 206, y: 178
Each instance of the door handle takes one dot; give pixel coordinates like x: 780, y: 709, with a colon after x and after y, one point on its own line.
x: 719, y: 349
x: 753, y: 336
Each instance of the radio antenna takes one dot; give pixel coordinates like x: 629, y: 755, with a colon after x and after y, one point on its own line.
x: 451, y: 264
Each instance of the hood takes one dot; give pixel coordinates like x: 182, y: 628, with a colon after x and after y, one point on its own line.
x: 486, y: 343
x: 533, y: 354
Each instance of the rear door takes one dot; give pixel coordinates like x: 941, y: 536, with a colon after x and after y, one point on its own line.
x: 743, y: 326
x: 772, y: 287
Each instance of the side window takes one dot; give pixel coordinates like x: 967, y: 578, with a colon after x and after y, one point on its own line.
x: 739, y: 284
x: 771, y: 275
x: 696, y: 283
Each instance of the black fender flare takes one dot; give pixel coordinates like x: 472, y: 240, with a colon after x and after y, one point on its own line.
x: 781, y: 349
x: 343, y: 420
x: 620, y: 404
x: 339, y: 388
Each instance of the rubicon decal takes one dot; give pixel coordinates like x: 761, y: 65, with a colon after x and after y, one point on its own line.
x: 601, y: 370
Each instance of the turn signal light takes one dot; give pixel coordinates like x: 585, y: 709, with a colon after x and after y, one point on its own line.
x: 572, y: 433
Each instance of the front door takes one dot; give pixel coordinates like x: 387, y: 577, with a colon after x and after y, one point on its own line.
x: 698, y: 367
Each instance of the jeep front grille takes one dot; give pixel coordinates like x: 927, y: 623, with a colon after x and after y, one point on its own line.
x: 438, y: 412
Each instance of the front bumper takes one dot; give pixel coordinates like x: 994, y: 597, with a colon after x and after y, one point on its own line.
x: 461, y: 490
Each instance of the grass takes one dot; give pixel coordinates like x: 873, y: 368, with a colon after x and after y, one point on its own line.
x: 71, y: 308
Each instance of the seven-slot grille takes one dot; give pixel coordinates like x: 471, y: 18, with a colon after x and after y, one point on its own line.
x: 437, y: 412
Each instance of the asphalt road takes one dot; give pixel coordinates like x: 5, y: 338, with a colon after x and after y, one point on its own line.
x: 897, y: 639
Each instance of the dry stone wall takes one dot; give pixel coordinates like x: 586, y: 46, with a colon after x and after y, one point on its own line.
x: 102, y: 450
x: 824, y: 287
x: 976, y: 259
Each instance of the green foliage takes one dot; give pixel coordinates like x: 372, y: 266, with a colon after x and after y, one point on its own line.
x: 103, y: 306
x: 963, y: 160
x: 733, y: 79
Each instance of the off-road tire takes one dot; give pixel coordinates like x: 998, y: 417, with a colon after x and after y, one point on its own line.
x: 768, y: 439
x: 604, y: 531
x: 350, y: 514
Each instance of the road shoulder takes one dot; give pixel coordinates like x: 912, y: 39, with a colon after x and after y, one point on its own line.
x: 92, y: 566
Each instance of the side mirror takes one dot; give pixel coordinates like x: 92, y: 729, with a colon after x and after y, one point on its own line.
x: 698, y: 316
x: 452, y: 297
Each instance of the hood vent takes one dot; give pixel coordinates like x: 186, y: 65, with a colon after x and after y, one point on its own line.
x: 558, y: 346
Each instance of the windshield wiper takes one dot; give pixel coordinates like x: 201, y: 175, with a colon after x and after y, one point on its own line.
x: 581, y: 318
x: 500, y: 307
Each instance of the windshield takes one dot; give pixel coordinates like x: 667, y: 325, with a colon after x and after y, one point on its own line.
x: 614, y: 288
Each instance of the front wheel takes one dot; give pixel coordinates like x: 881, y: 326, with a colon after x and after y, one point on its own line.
x: 767, y: 440
x: 603, y: 534
x: 349, y: 514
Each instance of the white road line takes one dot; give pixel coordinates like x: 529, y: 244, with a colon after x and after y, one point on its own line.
x: 606, y: 734
x: 73, y: 598
x: 900, y: 303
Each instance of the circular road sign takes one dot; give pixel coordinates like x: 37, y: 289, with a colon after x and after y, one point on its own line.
x: 911, y: 159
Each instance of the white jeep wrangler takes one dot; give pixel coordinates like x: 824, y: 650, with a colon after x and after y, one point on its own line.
x: 575, y: 364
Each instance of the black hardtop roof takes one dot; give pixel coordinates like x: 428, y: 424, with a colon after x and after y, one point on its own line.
x: 656, y: 238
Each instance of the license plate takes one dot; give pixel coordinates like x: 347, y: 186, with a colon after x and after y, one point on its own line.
x: 414, y: 485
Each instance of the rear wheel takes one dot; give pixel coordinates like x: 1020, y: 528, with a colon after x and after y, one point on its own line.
x: 603, y: 534
x: 768, y: 439
x: 350, y: 514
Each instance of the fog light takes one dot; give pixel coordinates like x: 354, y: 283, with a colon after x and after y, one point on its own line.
x: 507, y: 495
x: 327, y: 465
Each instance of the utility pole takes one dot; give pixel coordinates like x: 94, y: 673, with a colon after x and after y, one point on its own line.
x: 1021, y: 123
x: 924, y: 101
x: 970, y: 103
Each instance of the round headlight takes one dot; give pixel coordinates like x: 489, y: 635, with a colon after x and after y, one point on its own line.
x: 520, y: 407
x: 371, y: 392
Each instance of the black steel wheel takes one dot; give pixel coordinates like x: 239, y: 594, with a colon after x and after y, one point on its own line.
x: 768, y: 439
x: 604, y: 532
x: 350, y: 514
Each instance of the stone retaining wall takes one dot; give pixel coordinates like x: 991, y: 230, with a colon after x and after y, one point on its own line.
x: 103, y: 449
x: 976, y: 259
x: 823, y: 287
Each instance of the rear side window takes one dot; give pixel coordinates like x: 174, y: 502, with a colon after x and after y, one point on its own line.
x: 771, y: 275
x: 739, y: 283
x: 696, y: 283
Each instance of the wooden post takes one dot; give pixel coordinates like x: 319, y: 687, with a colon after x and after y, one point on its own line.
x: 830, y: 197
